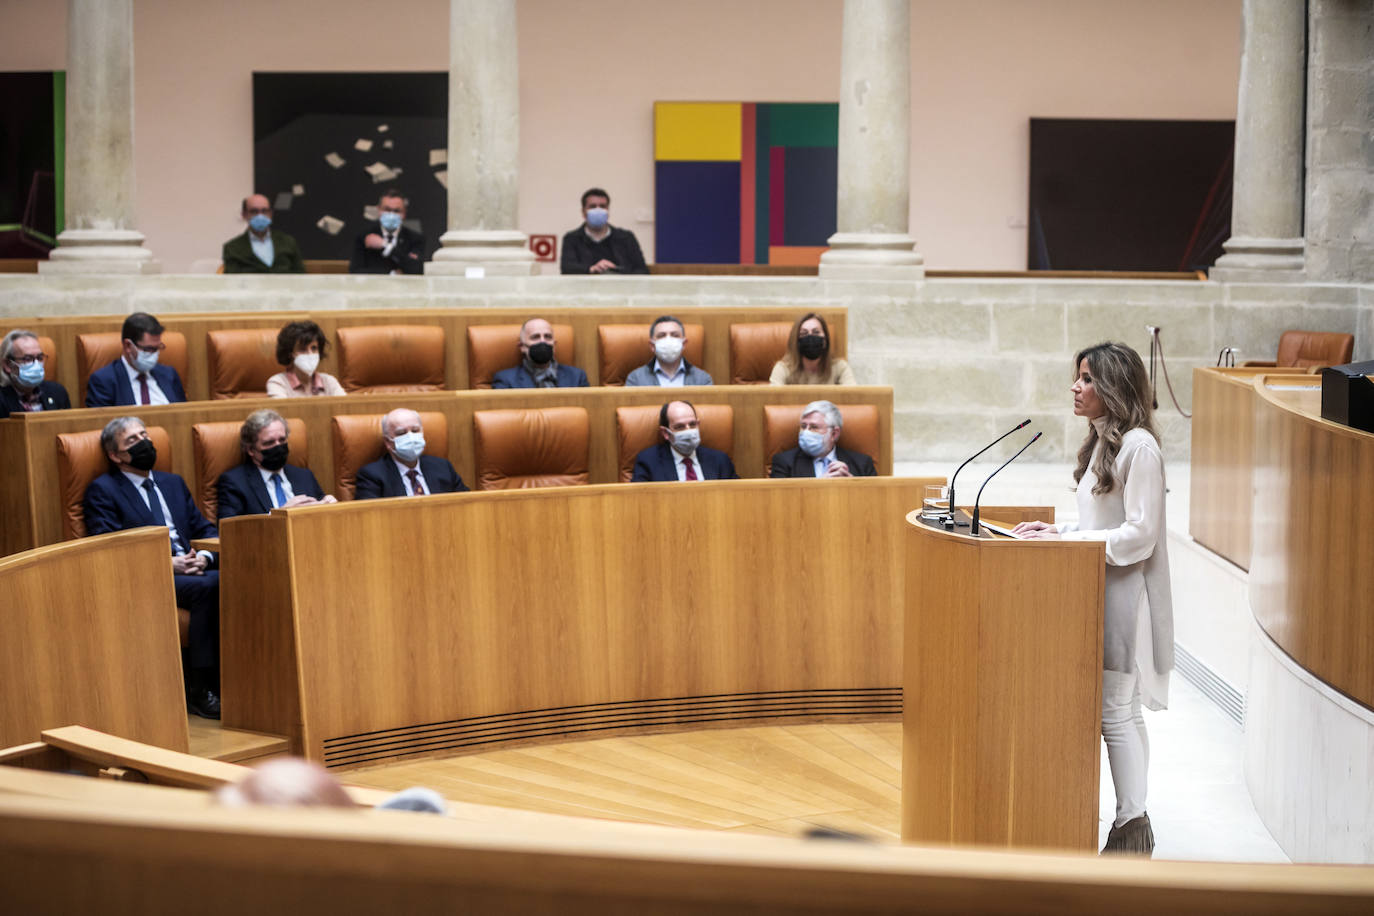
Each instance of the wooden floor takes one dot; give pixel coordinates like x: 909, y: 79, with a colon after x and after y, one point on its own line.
x: 232, y: 745
x: 774, y: 780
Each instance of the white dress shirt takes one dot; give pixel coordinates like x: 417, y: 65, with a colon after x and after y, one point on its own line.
x: 678, y: 459
x: 677, y: 380
x: 822, y: 464
x: 405, y: 476
x: 271, y: 488
x: 155, y: 392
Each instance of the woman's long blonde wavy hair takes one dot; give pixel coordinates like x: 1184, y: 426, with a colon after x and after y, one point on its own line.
x: 1121, y: 382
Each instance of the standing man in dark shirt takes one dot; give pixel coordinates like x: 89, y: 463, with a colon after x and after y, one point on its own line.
x: 387, y: 247
x: 597, y: 247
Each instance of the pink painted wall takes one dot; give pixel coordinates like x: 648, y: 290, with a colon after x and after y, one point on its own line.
x: 592, y: 69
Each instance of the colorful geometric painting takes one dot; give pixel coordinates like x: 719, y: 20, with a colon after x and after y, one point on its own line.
x: 744, y: 182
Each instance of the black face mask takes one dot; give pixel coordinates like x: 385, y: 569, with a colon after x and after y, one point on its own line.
x: 143, y: 455
x: 274, y: 458
x: 813, y: 346
x: 541, y: 353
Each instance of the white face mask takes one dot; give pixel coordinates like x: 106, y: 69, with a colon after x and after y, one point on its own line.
x: 685, y: 441
x: 145, y: 361
x: 409, y: 446
x: 307, y: 362
x: 668, y: 349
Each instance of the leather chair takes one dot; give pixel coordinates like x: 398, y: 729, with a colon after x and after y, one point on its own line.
x: 755, y: 348
x: 49, y: 347
x: 782, y: 421
x: 240, y: 362
x: 96, y: 351
x: 625, y: 347
x: 81, y: 460
x: 636, y: 429
x: 1310, y: 350
x: 358, y: 441
x: 533, y: 447
x: 216, y: 449
x: 391, y: 359
x: 493, y: 347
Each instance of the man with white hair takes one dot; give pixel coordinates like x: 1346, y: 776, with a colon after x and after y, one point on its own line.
x: 817, y: 453
x: 24, y: 387
x: 405, y: 469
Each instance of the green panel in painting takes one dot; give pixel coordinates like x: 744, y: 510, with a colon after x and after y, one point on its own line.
x: 803, y: 124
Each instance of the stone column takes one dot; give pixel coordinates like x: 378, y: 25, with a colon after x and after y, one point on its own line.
x: 483, y: 143
x: 99, y: 234
x: 1266, y: 243
x: 871, y: 241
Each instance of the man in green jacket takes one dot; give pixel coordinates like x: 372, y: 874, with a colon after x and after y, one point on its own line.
x: 261, y: 249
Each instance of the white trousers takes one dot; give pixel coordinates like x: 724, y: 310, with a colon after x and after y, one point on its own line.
x: 1128, y: 747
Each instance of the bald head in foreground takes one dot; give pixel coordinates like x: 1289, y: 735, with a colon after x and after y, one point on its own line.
x: 405, y: 469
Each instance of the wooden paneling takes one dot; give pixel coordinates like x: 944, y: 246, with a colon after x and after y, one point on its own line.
x: 1002, y: 690
x: 452, y: 621
x: 1312, y: 571
x: 88, y: 634
x: 27, y: 441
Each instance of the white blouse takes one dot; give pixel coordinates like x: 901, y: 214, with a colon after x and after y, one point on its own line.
x: 1138, y: 624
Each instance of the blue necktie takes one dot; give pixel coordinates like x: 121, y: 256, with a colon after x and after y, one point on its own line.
x: 281, y: 494
x: 155, y: 507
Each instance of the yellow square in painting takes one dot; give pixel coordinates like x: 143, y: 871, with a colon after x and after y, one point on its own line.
x: 697, y: 131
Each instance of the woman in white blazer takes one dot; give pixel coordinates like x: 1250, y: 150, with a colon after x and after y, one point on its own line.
x: 1120, y: 477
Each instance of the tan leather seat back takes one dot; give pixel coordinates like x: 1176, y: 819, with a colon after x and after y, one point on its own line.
x: 358, y: 441
x: 534, y: 447
x: 216, y: 448
x: 493, y: 347
x: 241, y: 361
x: 636, y: 429
x: 96, y: 351
x: 1308, y: 349
x: 50, y: 364
x: 625, y: 347
x: 754, y: 348
x: 81, y: 460
x: 781, y: 422
x: 395, y: 358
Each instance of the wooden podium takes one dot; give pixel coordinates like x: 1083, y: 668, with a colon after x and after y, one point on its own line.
x: 1002, y: 689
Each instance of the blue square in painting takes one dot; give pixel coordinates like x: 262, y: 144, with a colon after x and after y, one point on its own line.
x: 697, y: 212
x: 809, y: 185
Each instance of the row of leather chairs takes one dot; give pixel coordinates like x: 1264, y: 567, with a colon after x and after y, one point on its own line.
x: 528, y: 447
x: 408, y: 357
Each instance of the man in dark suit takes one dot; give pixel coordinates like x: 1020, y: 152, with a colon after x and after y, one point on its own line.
x: 136, y: 377
x: 261, y: 249
x: 681, y: 456
x: 265, y: 481
x: 538, y: 368
x: 817, y: 454
x: 132, y: 495
x: 23, y: 386
x: 387, y: 247
x: 405, y: 469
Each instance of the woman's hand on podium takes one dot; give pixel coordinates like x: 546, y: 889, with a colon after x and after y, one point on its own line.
x: 1036, y: 531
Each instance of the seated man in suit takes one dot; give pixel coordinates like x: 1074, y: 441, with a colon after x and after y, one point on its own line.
x: 387, y: 247
x: 136, y: 377
x: 23, y: 387
x: 667, y: 366
x: 405, y: 469
x: 538, y: 368
x: 681, y: 456
x: 816, y: 454
x: 131, y: 495
x: 265, y: 481
x: 261, y: 249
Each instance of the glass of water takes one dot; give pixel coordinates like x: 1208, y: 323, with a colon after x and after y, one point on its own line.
x: 935, y: 504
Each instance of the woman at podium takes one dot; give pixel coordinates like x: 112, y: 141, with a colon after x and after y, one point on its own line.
x: 1120, y: 477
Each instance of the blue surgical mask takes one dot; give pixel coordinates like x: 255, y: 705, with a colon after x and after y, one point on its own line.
x: 145, y: 361
x: 812, y: 442
x: 260, y: 223
x: 390, y: 221
x: 30, y: 374
x: 597, y: 217
x: 409, y: 446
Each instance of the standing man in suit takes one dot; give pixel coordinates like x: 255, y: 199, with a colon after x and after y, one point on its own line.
x: 132, y: 495
x: 265, y: 481
x: 667, y: 366
x: 261, y: 249
x: 405, y: 469
x: 23, y: 386
x: 136, y: 377
x: 386, y: 246
x: 681, y: 456
x: 538, y: 368
x: 817, y: 454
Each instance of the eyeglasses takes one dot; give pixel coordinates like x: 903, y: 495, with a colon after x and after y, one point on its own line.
x: 158, y: 349
x: 815, y: 427
x: 29, y: 360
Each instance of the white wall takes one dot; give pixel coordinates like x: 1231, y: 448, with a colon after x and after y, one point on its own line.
x: 592, y: 69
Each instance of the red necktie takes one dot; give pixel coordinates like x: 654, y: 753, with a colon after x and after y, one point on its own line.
x: 416, y: 488
x: 691, y: 471
x: 143, y: 387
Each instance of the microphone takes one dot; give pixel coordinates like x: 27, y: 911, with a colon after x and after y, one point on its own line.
x: 979, y: 497
x: 975, y: 455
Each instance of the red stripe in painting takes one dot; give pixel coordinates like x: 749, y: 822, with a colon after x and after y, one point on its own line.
x: 776, y: 187
x: 747, y: 178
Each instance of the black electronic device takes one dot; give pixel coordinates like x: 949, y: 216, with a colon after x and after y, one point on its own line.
x: 1348, y: 395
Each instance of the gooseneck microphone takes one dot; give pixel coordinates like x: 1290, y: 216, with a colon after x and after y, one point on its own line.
x: 1004, y: 435
x: 977, y: 499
